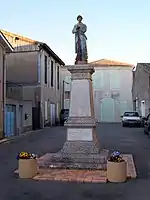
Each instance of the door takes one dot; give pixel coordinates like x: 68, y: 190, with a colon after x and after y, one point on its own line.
x: 20, y: 119
x: 36, y: 113
x: 107, y: 110
x: 143, y: 108
x: 52, y: 113
x: 10, y: 120
x: 57, y: 110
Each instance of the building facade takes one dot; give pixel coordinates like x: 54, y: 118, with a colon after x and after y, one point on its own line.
x: 112, y: 87
x: 18, y: 110
x: 35, y: 68
x: 141, y: 88
x: 5, y: 47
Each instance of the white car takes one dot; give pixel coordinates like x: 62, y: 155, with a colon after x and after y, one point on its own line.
x: 131, y: 118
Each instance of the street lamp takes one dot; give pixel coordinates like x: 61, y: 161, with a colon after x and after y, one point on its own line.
x: 63, y: 92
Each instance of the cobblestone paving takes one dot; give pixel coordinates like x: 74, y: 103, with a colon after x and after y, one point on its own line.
x: 86, y: 176
x: 93, y: 176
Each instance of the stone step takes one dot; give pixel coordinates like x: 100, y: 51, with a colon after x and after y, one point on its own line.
x: 79, y: 159
x: 93, y: 176
x: 44, y: 167
x: 98, y: 158
x: 54, y: 165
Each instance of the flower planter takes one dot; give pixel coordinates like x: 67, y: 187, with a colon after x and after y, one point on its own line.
x: 27, y: 168
x: 116, y: 171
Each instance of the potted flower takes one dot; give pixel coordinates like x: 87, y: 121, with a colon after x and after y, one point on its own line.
x: 27, y: 164
x: 116, y: 168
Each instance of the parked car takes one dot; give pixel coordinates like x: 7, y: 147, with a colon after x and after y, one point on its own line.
x: 64, y: 114
x: 146, y: 123
x: 131, y: 118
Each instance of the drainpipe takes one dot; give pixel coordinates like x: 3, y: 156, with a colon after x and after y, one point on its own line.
x: 41, y: 90
x: 63, y: 95
x: 3, y: 93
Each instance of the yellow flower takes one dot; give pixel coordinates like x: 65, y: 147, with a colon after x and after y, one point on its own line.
x: 24, y: 154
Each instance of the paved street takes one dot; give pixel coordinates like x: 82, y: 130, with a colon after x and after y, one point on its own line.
x: 112, y: 136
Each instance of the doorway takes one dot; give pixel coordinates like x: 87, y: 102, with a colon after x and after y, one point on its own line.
x: 20, y: 119
x: 36, y: 111
x: 143, y: 108
x: 52, y: 113
x: 10, y: 120
x: 107, y: 110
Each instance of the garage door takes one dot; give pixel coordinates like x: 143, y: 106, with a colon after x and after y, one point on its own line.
x: 107, y: 110
x: 10, y: 120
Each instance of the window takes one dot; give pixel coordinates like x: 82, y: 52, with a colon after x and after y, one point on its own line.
x: 45, y: 62
x: 46, y: 116
x: 115, y: 80
x: 57, y: 77
x: 134, y: 105
x: 149, y: 81
x: 67, y: 104
x: 67, y: 83
x: 52, y: 73
x: 131, y: 114
x: 68, y: 79
x: 98, y: 80
x: 39, y: 69
x: 67, y: 94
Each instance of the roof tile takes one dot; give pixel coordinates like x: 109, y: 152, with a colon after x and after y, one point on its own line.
x: 105, y: 62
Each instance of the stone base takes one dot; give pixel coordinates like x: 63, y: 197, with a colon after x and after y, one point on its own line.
x: 80, y: 147
x: 77, y: 175
x: 74, y: 160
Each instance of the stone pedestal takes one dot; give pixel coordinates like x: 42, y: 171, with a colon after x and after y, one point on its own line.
x: 81, y: 134
x: 81, y: 149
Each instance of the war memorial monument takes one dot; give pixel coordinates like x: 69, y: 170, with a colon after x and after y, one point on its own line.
x: 82, y: 149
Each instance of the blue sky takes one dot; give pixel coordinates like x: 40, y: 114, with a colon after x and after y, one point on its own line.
x: 117, y: 30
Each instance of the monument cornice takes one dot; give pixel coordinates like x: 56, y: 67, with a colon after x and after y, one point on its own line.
x: 80, y: 72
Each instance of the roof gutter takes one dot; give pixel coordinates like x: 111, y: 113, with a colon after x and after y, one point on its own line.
x: 5, y: 43
x: 50, y: 52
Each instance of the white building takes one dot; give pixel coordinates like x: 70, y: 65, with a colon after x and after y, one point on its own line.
x: 112, y: 86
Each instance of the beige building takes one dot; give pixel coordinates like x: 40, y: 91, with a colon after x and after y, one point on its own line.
x: 34, y: 70
x: 5, y: 47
